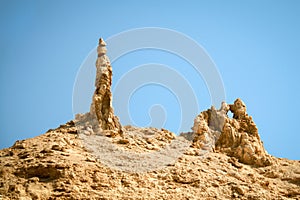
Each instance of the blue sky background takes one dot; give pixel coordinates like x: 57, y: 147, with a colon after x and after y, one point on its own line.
x: 255, y: 45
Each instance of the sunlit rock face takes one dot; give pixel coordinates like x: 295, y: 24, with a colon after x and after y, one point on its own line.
x: 237, y: 136
x: 101, y: 106
x: 93, y: 157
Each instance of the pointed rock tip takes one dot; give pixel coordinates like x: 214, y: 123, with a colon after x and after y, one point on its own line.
x: 101, y: 42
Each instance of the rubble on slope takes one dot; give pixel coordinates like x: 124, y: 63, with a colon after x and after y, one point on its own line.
x: 56, y: 165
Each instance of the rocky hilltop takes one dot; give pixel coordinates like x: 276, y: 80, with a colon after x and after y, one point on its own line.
x: 95, y: 157
x: 57, y: 165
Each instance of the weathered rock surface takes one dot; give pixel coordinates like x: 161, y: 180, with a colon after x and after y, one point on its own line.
x: 101, y: 107
x: 237, y: 136
x: 223, y: 158
x: 56, y: 165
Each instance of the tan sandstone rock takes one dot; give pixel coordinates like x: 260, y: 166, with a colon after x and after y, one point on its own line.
x: 237, y: 136
x: 224, y: 158
x: 101, y: 118
x: 102, y: 99
x: 31, y: 169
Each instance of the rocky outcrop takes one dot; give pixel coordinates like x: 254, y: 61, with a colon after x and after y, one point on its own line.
x: 208, y: 126
x: 101, y: 105
x: 101, y: 118
x: 237, y: 136
x: 224, y: 157
x: 56, y: 165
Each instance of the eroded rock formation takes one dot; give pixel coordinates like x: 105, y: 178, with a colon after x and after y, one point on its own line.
x: 101, y: 119
x: 237, y: 136
x: 59, y: 164
x: 101, y: 107
x: 56, y: 165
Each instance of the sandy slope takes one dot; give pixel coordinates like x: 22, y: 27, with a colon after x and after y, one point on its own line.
x: 57, y: 165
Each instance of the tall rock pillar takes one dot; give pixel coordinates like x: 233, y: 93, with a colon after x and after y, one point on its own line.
x: 101, y: 106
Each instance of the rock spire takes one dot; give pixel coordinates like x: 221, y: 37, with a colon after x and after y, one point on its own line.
x: 101, y: 106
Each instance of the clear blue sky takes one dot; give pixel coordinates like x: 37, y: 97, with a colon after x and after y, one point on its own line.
x: 255, y: 45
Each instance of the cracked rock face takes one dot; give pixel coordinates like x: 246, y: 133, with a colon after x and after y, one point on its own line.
x: 101, y: 107
x: 237, y: 136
